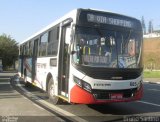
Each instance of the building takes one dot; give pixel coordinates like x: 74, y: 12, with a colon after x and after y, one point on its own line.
x: 152, y: 35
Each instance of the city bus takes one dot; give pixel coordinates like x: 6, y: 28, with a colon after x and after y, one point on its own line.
x: 86, y: 57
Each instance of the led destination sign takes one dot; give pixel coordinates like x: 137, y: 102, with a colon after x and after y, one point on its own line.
x: 109, y: 20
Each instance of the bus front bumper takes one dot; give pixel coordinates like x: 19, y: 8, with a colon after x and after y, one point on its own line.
x: 81, y: 96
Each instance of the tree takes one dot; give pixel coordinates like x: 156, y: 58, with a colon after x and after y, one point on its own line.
x: 150, y: 27
x: 8, y: 50
x: 143, y: 25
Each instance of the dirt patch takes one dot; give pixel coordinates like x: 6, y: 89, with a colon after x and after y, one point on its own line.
x: 151, y: 52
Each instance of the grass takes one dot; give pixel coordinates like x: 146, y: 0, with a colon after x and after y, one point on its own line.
x: 151, y: 74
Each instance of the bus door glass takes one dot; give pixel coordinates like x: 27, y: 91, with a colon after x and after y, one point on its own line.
x: 34, y: 60
x: 64, y: 60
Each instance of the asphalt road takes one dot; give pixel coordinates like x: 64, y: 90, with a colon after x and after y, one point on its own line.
x: 147, y: 109
x: 14, y: 107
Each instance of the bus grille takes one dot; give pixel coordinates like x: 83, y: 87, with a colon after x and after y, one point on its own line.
x: 106, y: 94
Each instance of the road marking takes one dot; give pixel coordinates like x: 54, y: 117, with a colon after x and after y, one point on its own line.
x: 54, y: 107
x: 149, y: 103
x: 153, y: 90
x: 4, y: 83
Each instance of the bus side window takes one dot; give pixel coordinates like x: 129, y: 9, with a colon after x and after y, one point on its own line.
x: 43, y: 45
x: 20, y: 50
x: 31, y: 43
x: 26, y: 49
x: 52, y: 47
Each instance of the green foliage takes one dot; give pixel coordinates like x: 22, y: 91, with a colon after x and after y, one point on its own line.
x: 151, y: 74
x: 8, y: 50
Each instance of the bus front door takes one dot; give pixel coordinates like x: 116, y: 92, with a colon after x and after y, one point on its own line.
x: 64, y: 59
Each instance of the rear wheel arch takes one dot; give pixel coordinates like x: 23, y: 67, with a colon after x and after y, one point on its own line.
x: 49, y: 76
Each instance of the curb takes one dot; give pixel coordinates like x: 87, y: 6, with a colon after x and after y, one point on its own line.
x: 63, y: 114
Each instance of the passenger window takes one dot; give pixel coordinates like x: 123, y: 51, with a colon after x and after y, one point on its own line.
x: 53, y: 42
x: 43, y: 45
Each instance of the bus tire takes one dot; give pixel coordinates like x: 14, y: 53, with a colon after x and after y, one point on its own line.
x: 51, y: 93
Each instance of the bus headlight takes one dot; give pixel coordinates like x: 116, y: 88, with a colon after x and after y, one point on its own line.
x: 82, y: 84
x: 86, y: 86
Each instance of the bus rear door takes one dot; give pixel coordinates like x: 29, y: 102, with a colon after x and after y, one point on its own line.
x: 34, y: 60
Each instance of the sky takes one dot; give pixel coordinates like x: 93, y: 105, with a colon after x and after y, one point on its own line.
x: 22, y: 18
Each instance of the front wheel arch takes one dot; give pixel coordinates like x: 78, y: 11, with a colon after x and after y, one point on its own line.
x: 51, y: 93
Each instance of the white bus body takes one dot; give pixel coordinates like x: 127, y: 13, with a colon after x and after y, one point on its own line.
x: 69, y: 58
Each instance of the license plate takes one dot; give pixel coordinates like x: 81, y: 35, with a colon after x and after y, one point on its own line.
x: 116, y: 96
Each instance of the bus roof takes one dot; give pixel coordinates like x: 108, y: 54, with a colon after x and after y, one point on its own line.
x: 71, y: 14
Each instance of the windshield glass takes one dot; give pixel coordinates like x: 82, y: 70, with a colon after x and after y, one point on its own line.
x: 105, y: 48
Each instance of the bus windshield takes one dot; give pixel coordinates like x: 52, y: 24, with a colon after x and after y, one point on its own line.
x: 97, y: 47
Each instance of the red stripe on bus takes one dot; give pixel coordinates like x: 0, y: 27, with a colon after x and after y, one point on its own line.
x: 79, y: 95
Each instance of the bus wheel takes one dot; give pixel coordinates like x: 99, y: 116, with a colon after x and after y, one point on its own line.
x: 51, y: 93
